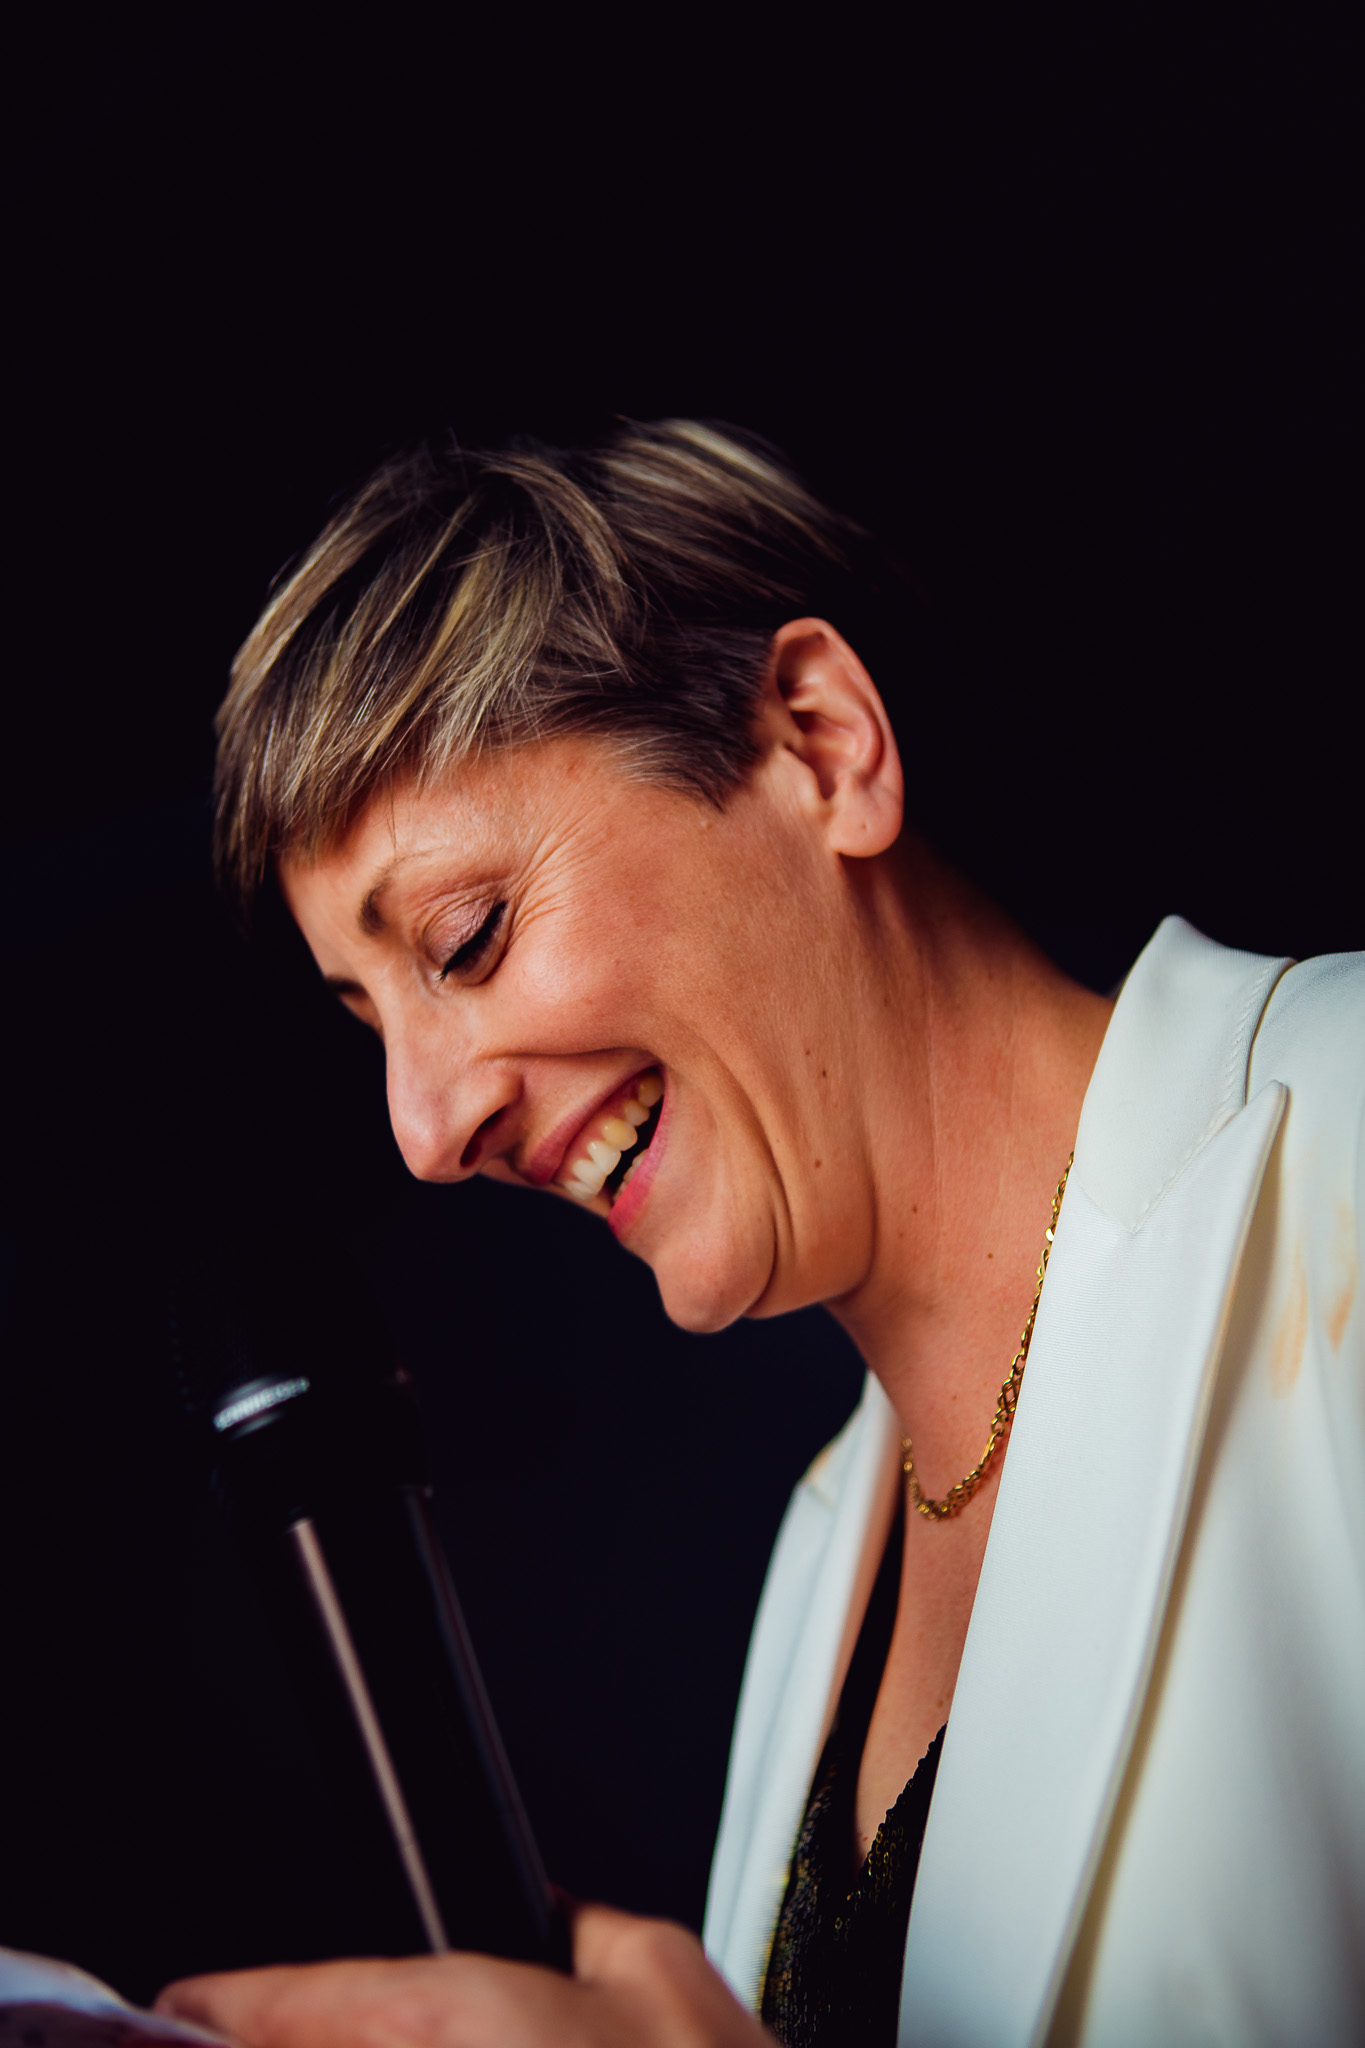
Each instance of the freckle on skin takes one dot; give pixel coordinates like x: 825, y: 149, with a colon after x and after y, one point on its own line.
x: 819, y: 1162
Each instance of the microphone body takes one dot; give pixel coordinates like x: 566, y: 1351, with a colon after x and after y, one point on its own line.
x: 326, y: 1489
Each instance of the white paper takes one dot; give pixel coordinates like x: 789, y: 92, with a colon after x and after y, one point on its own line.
x: 46, y: 2004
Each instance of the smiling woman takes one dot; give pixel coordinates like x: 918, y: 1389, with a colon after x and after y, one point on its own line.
x: 572, y: 769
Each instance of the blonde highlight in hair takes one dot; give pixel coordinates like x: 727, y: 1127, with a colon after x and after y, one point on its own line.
x: 460, y: 602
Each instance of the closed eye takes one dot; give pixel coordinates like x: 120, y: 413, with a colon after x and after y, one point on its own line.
x: 472, y: 951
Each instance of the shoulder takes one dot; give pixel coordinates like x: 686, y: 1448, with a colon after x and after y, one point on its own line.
x: 1310, y: 1249
x: 1312, y: 1033
x: 1312, y: 1041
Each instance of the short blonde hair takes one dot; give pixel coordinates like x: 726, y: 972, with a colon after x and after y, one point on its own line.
x: 459, y: 601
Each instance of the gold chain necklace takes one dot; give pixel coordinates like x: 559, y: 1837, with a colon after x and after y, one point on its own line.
x: 958, y: 1496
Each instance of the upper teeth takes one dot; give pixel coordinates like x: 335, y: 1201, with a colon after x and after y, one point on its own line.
x: 596, y: 1151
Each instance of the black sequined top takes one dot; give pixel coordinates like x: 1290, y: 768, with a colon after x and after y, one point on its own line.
x: 834, y: 1973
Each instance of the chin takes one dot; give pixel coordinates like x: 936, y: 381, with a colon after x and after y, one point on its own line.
x: 705, y: 1292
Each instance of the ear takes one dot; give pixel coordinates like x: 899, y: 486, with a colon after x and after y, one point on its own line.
x: 822, y: 708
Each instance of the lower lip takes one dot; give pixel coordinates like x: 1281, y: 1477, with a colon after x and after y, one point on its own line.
x: 635, y: 1194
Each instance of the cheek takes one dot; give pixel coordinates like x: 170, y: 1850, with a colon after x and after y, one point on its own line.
x: 670, y: 932
x: 583, y: 985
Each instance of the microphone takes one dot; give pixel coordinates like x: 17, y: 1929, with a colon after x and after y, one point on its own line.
x: 322, y: 1472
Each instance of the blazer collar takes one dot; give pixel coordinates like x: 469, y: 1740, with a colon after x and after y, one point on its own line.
x: 1093, y: 1497
x: 1173, y: 1067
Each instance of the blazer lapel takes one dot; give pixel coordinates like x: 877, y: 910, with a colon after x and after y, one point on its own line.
x: 1092, y: 1501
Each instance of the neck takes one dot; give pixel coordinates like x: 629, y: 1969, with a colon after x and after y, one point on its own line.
x: 1000, y: 1046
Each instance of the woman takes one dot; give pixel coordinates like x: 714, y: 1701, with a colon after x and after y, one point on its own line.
x: 573, y: 771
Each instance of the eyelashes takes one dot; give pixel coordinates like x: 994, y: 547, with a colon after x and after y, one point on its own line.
x: 476, y: 946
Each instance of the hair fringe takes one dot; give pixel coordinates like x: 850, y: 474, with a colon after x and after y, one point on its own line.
x: 462, y: 601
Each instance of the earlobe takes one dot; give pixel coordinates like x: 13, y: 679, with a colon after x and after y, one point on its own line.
x: 824, y: 709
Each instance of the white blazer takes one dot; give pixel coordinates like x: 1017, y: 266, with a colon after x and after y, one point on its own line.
x: 1149, y: 1820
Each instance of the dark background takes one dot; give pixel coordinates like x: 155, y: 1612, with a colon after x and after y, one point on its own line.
x: 1070, y: 320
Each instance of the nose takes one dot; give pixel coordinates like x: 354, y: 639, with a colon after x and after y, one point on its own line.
x: 444, y: 1109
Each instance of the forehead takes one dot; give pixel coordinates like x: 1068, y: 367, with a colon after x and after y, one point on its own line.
x: 485, y: 814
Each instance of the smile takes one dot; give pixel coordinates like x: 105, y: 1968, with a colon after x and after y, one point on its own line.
x: 595, y: 1162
